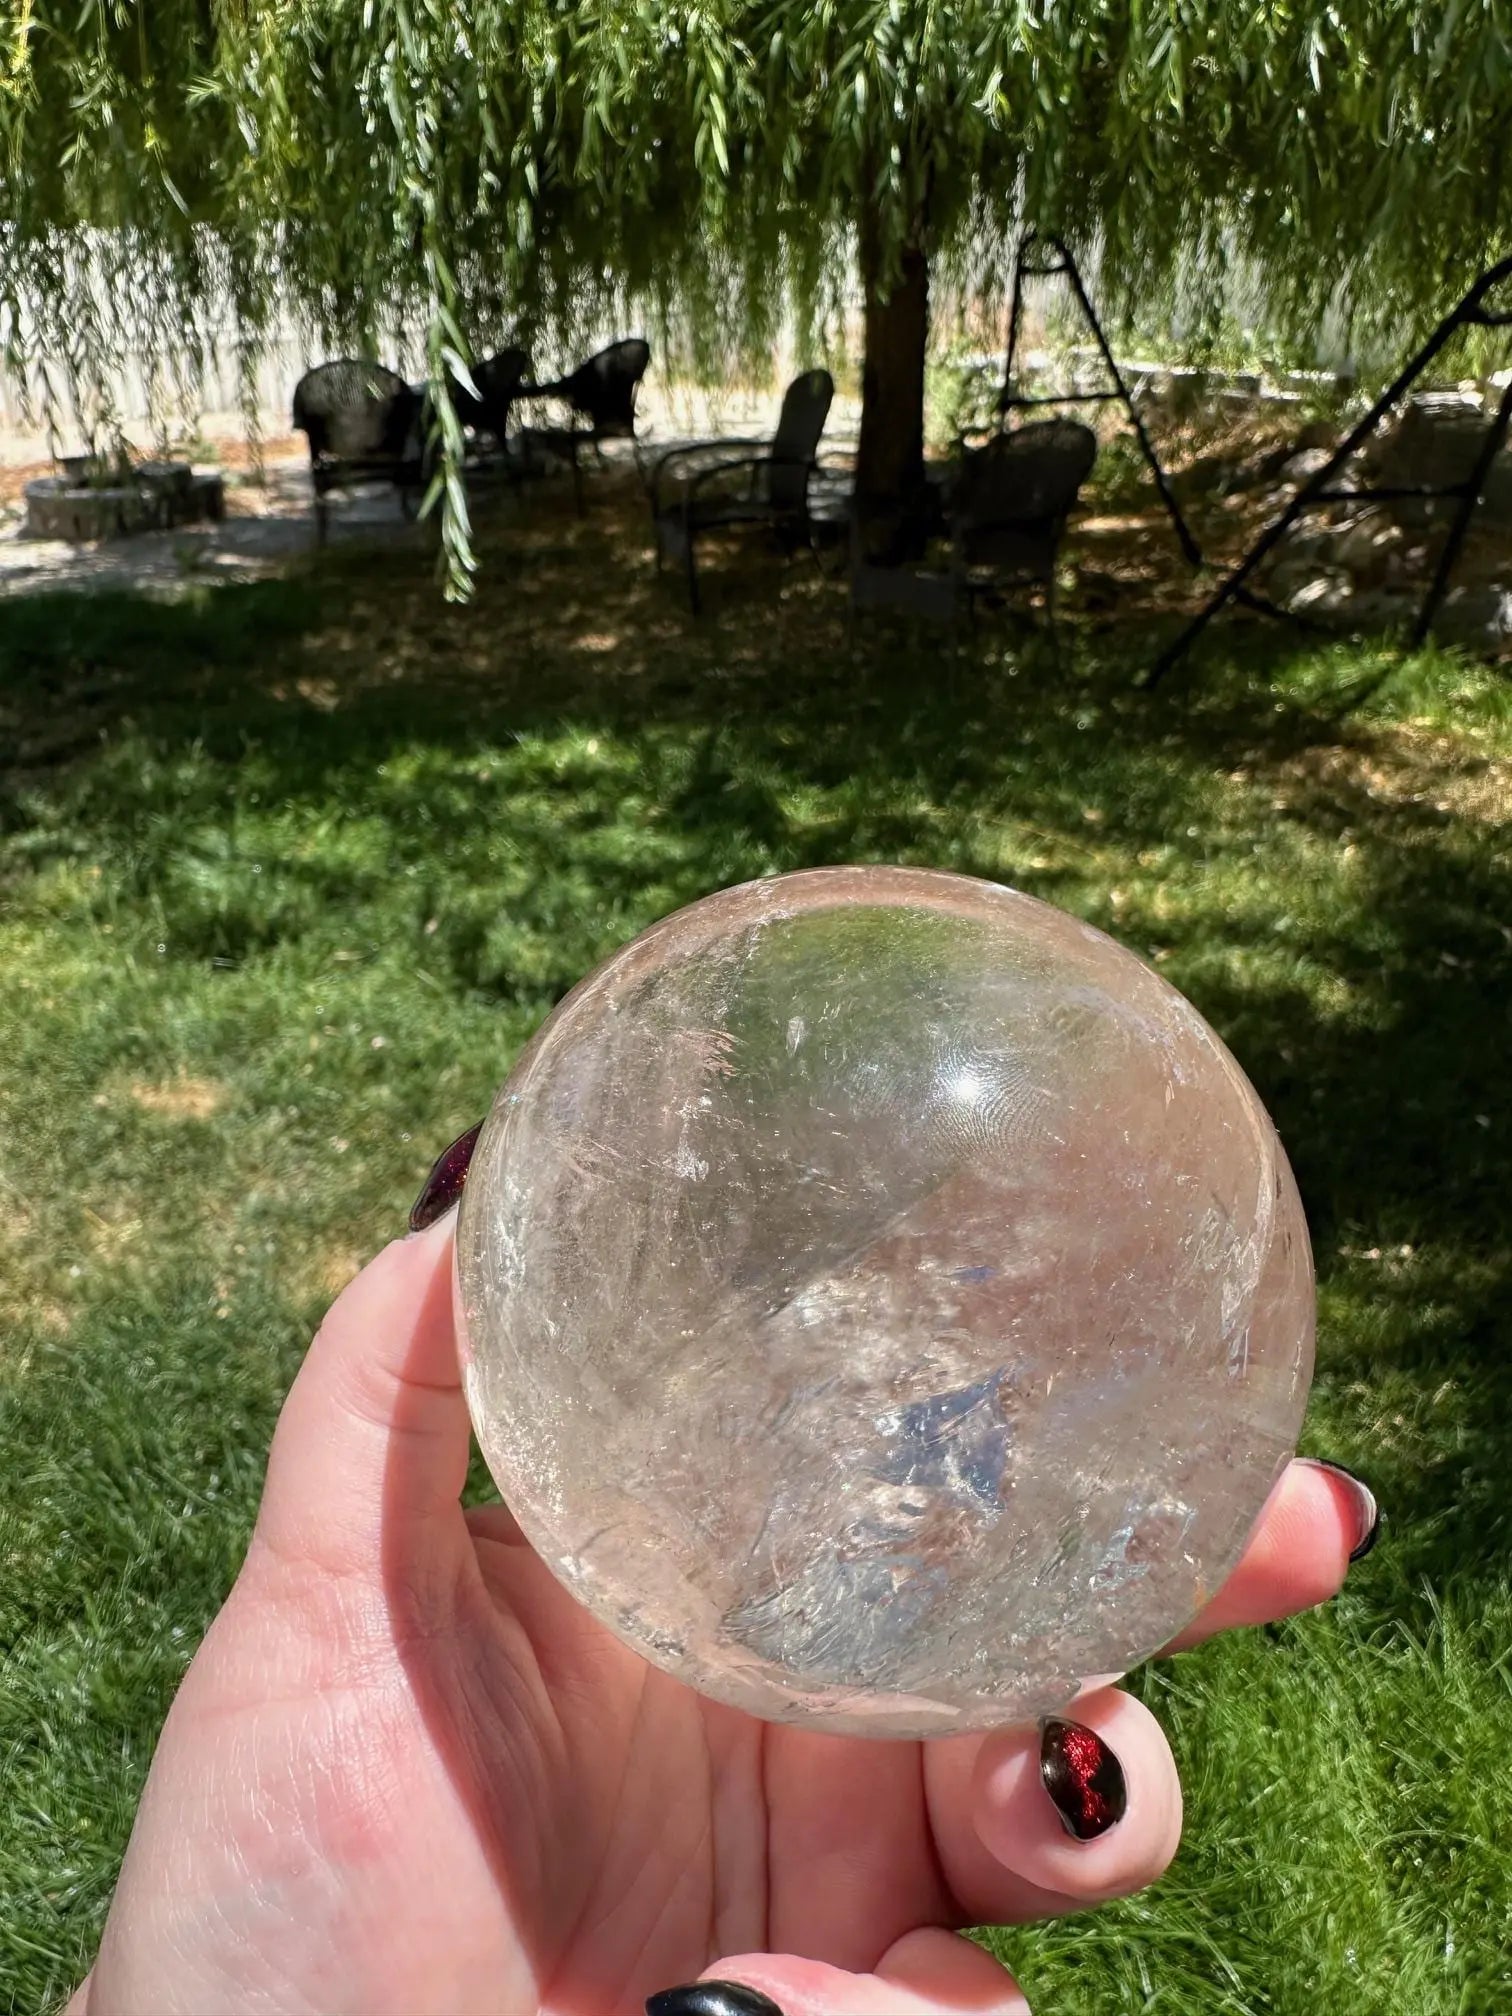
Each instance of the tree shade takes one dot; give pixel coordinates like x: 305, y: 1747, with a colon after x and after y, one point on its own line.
x: 465, y: 168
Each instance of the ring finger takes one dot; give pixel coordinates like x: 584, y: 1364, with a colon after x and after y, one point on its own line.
x: 1058, y: 1818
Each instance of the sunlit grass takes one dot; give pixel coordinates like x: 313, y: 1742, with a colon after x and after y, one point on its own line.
x: 288, y: 874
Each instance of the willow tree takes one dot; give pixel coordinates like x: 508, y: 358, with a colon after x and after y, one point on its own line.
x: 467, y: 166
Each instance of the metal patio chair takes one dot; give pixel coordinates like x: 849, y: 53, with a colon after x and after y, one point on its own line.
x: 362, y: 423
x: 485, y: 413
x: 600, y: 396
x: 1006, y: 507
x: 716, y: 486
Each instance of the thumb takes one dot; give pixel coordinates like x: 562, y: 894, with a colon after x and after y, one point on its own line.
x: 374, y: 1435
x: 930, y: 1972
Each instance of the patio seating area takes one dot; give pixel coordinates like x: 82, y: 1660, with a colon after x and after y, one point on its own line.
x: 1000, y: 511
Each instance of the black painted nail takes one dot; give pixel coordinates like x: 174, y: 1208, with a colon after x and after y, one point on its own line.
x: 712, y: 1998
x: 445, y: 1182
x: 1083, y: 1777
x: 1367, y: 1511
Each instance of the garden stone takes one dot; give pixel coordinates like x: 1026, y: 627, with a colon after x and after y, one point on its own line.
x: 1301, y: 467
x: 1435, y: 443
x: 1480, y: 618
x: 1367, y: 544
x: 1325, y: 597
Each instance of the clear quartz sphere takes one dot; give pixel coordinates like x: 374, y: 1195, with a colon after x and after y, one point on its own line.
x: 885, y: 1302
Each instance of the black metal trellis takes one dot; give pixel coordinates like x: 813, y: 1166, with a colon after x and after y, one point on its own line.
x: 1043, y: 258
x: 1470, y: 312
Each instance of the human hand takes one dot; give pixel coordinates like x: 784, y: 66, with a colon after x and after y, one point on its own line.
x: 407, y: 1775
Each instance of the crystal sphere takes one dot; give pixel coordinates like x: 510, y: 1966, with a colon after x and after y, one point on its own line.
x: 884, y: 1301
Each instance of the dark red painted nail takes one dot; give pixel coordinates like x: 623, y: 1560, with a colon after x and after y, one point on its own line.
x: 1083, y: 1777
x: 445, y: 1182
x: 1367, y: 1511
x: 712, y: 1998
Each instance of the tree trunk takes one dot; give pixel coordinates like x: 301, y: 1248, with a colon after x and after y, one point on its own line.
x: 890, y: 489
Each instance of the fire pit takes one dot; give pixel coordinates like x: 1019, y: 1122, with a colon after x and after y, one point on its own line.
x: 97, y: 500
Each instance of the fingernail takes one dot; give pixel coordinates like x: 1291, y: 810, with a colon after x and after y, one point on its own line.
x: 712, y: 1998
x: 445, y: 1182
x: 1083, y: 1777
x: 1367, y: 1512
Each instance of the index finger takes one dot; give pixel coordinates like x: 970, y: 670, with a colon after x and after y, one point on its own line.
x: 375, y: 1428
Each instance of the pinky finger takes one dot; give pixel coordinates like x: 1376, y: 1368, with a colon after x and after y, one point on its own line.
x: 1318, y: 1519
x: 929, y: 1972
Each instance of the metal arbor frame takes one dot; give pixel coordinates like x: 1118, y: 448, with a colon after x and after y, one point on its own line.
x: 1044, y: 258
x: 1470, y: 312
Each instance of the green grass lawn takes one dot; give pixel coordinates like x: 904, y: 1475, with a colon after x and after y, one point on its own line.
x: 287, y: 875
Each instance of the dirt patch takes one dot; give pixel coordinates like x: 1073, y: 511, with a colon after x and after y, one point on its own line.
x: 112, y: 1232
x: 314, y: 1278
x: 1411, y: 766
x: 14, y: 479
x: 337, y: 1268
x: 48, y: 1319
x: 181, y: 1098
x: 25, y: 1306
